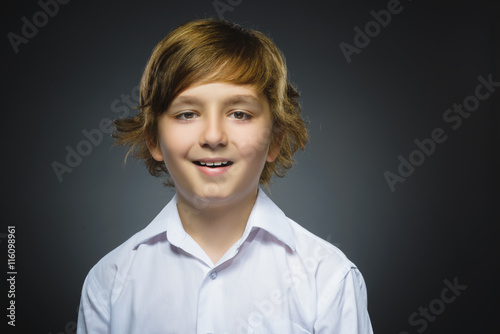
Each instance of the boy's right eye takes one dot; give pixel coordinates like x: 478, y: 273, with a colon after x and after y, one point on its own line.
x: 187, y: 115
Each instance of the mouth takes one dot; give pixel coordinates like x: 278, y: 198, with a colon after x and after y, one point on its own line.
x: 213, y: 164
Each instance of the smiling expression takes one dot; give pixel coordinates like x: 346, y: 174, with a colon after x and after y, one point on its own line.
x: 215, y: 140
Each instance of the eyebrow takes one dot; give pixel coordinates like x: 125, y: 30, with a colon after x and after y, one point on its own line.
x: 235, y: 99
x: 231, y: 100
x: 186, y: 99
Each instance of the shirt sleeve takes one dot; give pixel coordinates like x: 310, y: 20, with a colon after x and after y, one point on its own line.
x: 342, y: 306
x: 93, y: 314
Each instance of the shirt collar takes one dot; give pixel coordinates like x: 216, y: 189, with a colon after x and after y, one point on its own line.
x: 268, y: 216
x: 159, y: 224
x: 265, y: 215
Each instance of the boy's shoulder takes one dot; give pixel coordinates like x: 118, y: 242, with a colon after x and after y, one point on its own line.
x: 308, y: 241
x: 314, y: 250
x: 306, y: 247
x: 115, y: 264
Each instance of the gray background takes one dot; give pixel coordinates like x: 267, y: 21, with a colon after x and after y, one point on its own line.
x: 441, y: 223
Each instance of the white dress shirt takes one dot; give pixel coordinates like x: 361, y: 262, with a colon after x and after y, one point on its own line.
x: 278, y: 278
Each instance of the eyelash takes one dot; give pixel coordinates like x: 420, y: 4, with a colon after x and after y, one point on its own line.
x: 182, y: 116
x: 244, y: 116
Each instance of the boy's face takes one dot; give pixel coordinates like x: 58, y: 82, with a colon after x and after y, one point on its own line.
x: 215, y: 139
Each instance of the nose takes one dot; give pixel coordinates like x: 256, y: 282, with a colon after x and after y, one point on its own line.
x: 213, y: 134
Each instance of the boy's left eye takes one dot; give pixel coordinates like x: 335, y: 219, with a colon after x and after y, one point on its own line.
x: 240, y: 115
x: 187, y: 115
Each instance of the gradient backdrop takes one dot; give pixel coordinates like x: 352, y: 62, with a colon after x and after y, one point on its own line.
x: 440, y: 224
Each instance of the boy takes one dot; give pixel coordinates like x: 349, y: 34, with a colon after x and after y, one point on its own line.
x: 218, y: 117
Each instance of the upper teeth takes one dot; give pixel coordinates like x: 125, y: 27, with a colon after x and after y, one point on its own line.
x: 219, y: 163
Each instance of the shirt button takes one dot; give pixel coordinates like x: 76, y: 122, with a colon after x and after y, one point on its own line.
x: 213, y: 275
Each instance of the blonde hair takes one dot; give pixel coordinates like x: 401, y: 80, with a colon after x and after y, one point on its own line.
x: 210, y: 50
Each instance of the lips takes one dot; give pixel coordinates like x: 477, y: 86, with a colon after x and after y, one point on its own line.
x: 213, y: 164
x: 213, y: 167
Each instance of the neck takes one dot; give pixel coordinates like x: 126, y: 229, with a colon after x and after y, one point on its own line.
x: 216, y: 226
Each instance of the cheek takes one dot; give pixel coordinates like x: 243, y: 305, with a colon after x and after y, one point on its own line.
x: 175, y: 142
x: 254, y: 145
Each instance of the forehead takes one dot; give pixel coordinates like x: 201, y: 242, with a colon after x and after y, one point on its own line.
x: 221, y: 92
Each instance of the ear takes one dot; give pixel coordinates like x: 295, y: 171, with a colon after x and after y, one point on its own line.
x: 154, y: 148
x: 275, y: 147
